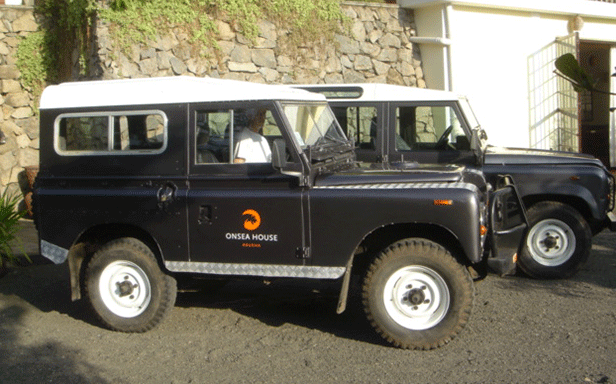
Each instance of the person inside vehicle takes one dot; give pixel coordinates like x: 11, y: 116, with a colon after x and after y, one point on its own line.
x: 251, y: 146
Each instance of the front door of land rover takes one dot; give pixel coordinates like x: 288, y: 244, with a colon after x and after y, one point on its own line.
x: 244, y: 216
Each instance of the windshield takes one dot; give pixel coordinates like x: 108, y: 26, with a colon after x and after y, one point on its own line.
x: 313, y: 124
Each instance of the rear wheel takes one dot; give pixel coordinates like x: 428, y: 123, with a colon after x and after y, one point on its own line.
x: 126, y: 288
x: 558, y: 242
x: 416, y: 295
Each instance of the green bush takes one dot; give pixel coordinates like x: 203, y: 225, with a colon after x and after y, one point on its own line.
x: 9, y: 227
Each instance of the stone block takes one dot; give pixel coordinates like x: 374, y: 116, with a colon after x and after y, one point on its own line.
x: 27, y: 156
x: 182, y: 51
x: 163, y: 60
x: 196, y: 66
x: 25, y: 23
x: 389, y: 40
x: 370, y: 49
x: 334, y: 78
x: 265, y: 43
x: 16, y: 100
x: 11, y: 86
x: 165, y: 43
x: 4, y: 50
x: 147, y: 53
x: 346, y: 45
x: 362, y: 63
x: 9, y: 72
x: 12, y: 42
x: 224, y: 31
x: 22, y: 113
x: 23, y: 141
x: 9, y: 127
x: 380, y: 68
x: 264, y: 58
x: 241, y: 54
x: 256, y: 78
x: 148, y: 66
x: 332, y: 64
x: 7, y: 161
x: 394, y: 77
x: 388, y: 55
x: 270, y: 75
x: 267, y: 30
x: 351, y: 76
x: 178, y: 66
x: 242, y: 67
x: 346, y: 62
x: 35, y: 144
x: 358, y: 31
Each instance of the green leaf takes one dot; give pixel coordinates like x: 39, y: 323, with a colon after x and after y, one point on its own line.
x: 569, y: 67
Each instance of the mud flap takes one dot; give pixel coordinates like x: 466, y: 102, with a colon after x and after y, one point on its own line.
x: 508, y: 225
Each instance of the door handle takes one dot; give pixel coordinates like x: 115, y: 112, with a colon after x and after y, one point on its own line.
x: 166, y: 194
x: 205, y: 214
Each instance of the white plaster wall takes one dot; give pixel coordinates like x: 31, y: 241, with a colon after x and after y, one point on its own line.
x: 489, y: 60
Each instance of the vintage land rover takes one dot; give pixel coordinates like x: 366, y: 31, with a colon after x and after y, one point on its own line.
x: 140, y: 186
x: 569, y: 196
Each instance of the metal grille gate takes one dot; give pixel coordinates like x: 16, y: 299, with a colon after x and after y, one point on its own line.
x: 554, y: 122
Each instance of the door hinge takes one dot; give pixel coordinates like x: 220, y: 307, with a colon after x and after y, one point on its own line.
x: 302, y: 252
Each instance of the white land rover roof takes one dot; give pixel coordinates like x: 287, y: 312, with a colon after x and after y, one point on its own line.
x: 164, y: 90
x: 378, y: 92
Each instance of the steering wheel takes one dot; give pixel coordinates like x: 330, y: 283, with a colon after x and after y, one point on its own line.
x: 444, y: 139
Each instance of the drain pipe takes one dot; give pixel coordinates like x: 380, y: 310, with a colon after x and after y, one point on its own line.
x: 446, y: 42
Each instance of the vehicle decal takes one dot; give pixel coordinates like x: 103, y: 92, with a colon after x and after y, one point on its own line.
x: 253, y: 219
x: 468, y: 186
x: 265, y: 270
x: 54, y: 253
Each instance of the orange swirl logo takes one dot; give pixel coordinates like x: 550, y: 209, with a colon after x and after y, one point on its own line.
x: 253, y: 219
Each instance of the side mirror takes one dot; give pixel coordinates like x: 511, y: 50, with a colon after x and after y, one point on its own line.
x: 279, y: 154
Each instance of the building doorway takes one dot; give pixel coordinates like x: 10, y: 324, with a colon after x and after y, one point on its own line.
x: 594, y: 107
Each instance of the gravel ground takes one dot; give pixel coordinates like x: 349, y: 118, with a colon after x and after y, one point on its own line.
x: 521, y: 331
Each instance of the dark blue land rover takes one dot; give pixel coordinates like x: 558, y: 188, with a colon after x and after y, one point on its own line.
x: 569, y: 196
x: 145, y: 182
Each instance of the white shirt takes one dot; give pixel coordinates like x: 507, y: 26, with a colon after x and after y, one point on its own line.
x: 252, y: 147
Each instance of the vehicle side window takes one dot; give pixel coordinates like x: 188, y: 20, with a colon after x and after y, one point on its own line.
x: 112, y: 132
x: 429, y: 128
x: 235, y: 136
x: 359, y: 124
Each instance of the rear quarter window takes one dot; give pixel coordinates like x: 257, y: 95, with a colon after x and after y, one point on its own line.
x: 111, y: 133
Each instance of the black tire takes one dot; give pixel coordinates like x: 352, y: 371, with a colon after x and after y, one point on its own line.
x: 416, y: 295
x: 558, y: 241
x: 126, y: 289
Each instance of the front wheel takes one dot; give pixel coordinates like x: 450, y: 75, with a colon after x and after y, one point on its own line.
x: 416, y: 295
x: 126, y: 288
x: 558, y: 242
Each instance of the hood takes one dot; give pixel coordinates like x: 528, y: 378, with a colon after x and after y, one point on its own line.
x: 384, y: 174
x: 501, y: 155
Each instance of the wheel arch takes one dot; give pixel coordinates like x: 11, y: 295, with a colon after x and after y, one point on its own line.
x: 381, y: 237
x: 95, y: 237
x: 575, y: 202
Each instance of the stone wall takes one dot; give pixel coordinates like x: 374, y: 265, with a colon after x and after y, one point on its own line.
x: 377, y: 49
x: 18, y: 120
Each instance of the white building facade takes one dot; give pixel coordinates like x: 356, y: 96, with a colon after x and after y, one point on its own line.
x: 501, y: 54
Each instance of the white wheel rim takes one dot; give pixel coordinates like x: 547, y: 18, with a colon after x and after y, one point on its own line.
x: 416, y: 297
x: 551, y: 242
x: 125, y: 289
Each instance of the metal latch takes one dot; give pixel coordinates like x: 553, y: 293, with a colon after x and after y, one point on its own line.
x: 302, y: 252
